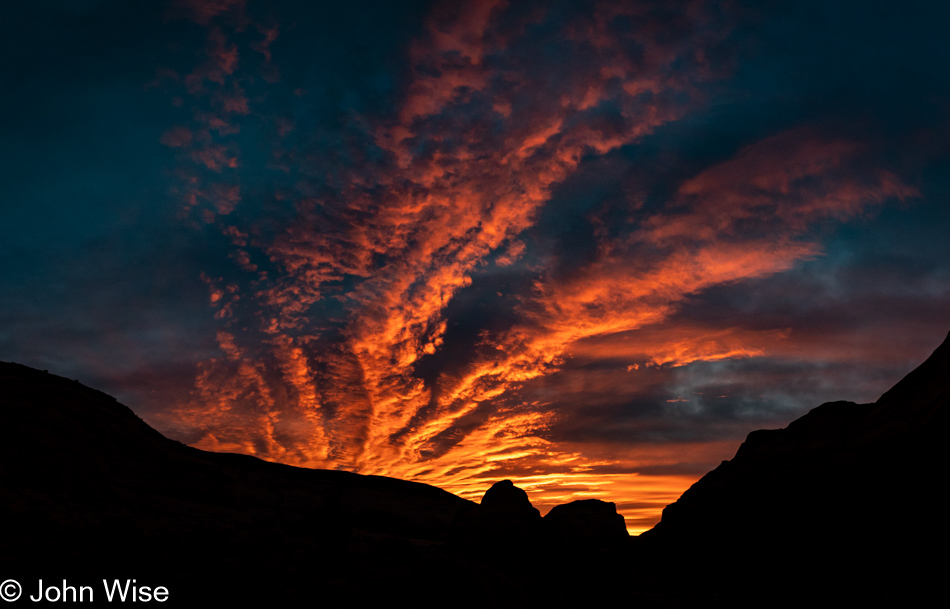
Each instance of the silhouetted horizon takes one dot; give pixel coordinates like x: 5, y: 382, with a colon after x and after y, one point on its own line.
x: 585, y: 246
x: 91, y: 491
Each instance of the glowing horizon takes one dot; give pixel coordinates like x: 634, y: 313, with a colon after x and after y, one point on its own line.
x: 585, y: 247
x: 448, y: 199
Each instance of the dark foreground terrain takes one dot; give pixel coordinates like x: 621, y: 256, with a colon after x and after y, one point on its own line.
x: 845, y: 504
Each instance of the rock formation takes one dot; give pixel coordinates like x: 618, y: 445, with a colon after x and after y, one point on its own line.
x: 585, y: 520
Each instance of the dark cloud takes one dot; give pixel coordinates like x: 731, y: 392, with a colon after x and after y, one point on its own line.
x: 587, y: 246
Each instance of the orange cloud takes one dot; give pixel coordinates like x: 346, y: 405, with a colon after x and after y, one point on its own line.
x: 177, y: 137
x: 679, y: 345
x: 789, y: 180
x: 221, y: 62
x: 473, y: 154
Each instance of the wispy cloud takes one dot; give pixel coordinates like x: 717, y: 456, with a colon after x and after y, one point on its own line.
x: 337, y: 307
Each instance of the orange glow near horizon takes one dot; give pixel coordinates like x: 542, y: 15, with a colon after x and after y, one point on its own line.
x: 455, y: 198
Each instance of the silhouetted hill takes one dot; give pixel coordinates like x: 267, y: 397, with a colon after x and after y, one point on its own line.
x: 89, y: 491
x: 847, y: 500
x: 845, y: 504
x: 89, y: 488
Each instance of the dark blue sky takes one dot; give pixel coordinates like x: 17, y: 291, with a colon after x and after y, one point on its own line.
x: 586, y: 246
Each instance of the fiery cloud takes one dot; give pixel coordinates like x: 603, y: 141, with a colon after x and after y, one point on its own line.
x: 338, y: 306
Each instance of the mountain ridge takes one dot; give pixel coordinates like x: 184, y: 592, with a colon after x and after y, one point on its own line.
x: 862, y: 482
x: 845, y: 501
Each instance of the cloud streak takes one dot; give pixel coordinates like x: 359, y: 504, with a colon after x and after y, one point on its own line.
x: 336, y: 307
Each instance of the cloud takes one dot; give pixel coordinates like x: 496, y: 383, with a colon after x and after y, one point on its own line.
x: 203, y: 12
x: 585, y: 246
x: 787, y: 181
x: 177, y: 137
x: 344, y: 294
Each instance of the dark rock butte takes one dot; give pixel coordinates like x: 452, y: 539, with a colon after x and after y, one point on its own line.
x: 586, y: 519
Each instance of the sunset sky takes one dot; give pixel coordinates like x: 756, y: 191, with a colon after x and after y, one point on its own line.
x: 584, y: 246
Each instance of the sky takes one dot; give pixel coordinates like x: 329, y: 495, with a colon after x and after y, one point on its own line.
x: 585, y: 246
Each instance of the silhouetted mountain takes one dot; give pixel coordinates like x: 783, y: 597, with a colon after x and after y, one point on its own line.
x: 848, y: 500
x: 89, y: 488
x: 89, y: 491
x: 845, y: 502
